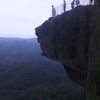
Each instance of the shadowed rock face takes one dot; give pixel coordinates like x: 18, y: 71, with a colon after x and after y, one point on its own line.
x: 98, y: 1
x: 65, y: 38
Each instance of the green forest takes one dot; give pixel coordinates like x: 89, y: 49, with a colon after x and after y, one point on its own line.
x: 27, y: 75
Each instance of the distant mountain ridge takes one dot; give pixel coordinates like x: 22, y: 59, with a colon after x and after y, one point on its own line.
x: 23, y: 57
x: 19, y: 49
x: 26, y: 75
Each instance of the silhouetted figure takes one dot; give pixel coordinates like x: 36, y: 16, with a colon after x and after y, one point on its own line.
x: 53, y: 11
x: 72, y: 5
x: 77, y: 3
x: 91, y: 2
x: 64, y: 5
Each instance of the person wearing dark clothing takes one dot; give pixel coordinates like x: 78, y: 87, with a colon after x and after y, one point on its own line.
x: 64, y: 5
x: 72, y: 5
x: 77, y: 3
x: 91, y: 2
x: 53, y: 11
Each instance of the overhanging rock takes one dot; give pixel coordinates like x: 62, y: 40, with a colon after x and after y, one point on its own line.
x: 65, y: 38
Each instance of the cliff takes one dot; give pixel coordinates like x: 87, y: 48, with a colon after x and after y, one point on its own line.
x: 69, y: 38
x: 66, y: 38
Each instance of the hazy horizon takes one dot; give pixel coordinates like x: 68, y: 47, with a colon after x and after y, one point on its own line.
x: 19, y: 18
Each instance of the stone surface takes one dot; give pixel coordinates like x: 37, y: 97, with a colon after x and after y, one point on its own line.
x: 93, y: 78
x: 65, y: 38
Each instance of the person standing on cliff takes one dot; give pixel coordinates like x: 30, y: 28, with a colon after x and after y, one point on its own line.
x: 53, y: 11
x: 77, y: 3
x: 72, y: 5
x: 64, y: 5
x: 91, y: 2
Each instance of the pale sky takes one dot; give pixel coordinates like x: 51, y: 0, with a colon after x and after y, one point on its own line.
x: 18, y: 18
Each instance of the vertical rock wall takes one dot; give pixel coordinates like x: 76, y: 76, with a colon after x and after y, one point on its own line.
x: 73, y: 38
x: 93, y: 79
x: 65, y: 38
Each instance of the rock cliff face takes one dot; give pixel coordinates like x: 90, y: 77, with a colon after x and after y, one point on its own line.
x: 65, y: 38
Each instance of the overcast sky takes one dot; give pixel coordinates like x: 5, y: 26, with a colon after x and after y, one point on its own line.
x: 18, y: 18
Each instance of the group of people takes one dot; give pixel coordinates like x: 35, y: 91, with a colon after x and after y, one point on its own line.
x: 73, y: 4
x: 77, y: 2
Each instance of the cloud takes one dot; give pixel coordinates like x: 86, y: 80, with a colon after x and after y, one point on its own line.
x: 24, y: 20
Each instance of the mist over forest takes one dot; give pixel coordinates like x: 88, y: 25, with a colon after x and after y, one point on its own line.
x: 27, y: 75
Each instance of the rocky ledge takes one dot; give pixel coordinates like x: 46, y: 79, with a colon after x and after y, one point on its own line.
x: 65, y: 38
